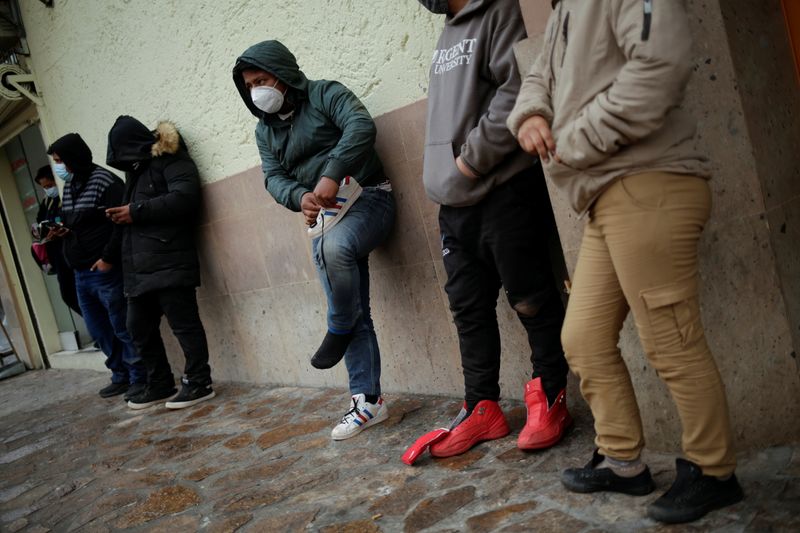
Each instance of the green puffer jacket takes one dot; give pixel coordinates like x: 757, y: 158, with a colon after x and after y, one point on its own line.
x: 330, y: 134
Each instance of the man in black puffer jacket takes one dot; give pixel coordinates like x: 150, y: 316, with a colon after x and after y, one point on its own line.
x: 158, y: 219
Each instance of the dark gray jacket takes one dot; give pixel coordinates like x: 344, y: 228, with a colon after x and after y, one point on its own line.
x: 473, y: 86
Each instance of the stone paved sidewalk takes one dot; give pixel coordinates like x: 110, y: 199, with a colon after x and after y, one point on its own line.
x: 260, y: 459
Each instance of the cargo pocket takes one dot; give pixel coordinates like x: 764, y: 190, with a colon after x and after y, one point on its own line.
x: 673, y: 316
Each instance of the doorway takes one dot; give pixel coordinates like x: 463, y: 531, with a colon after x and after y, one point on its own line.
x: 25, y: 154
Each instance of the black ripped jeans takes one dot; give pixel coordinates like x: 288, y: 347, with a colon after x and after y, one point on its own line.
x: 502, y: 241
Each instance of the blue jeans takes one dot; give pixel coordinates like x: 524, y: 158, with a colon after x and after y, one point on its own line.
x: 104, y: 309
x: 341, y: 256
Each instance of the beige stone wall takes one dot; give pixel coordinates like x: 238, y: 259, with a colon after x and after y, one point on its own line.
x: 768, y: 86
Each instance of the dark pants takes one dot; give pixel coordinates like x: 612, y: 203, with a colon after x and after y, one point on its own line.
x: 502, y: 241
x: 179, y: 305
x: 66, y: 286
x: 64, y: 275
x: 103, y: 305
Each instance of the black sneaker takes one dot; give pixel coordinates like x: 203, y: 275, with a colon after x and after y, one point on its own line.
x: 693, y: 494
x: 115, y: 389
x: 134, y: 390
x: 331, y: 350
x: 593, y: 479
x: 190, y: 395
x: 151, y: 396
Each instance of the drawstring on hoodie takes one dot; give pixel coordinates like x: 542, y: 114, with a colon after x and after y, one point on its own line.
x: 648, y: 19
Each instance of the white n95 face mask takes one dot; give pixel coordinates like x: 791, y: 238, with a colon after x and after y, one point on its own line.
x: 267, y: 99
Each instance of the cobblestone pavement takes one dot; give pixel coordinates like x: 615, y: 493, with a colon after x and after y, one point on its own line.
x: 260, y: 459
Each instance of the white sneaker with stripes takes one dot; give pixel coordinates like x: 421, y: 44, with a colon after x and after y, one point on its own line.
x: 360, y: 416
x: 349, y: 191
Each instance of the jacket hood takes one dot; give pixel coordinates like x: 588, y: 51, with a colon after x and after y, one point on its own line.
x: 275, y: 58
x: 74, y: 152
x: 129, y: 141
x: 474, y: 6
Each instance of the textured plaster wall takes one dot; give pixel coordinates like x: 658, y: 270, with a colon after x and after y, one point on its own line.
x: 748, y: 126
x: 155, y: 59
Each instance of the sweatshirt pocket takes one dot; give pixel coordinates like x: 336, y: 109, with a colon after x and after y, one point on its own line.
x: 444, y: 183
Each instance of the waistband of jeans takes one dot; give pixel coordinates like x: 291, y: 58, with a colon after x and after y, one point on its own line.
x: 384, y: 185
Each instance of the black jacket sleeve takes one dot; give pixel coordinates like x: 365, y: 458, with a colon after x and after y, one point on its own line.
x: 112, y: 197
x: 179, y: 204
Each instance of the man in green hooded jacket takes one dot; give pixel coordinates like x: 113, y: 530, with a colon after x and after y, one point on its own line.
x: 316, y: 141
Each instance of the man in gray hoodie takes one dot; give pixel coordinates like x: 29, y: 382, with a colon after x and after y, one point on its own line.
x: 491, y: 233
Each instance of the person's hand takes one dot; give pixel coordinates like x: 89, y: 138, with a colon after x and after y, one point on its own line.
x: 56, y: 233
x: 102, y: 266
x: 310, y: 207
x: 120, y: 215
x: 535, y: 137
x: 325, y: 191
x: 464, y: 169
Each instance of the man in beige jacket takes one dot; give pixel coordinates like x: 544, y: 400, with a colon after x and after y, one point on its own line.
x: 601, y: 109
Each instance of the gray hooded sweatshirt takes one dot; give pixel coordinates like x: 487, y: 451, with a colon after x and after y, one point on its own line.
x: 473, y: 86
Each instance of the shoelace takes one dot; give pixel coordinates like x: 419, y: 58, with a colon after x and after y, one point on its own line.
x: 352, y: 413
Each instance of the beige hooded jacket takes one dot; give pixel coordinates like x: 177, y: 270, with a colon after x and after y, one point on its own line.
x: 610, y: 79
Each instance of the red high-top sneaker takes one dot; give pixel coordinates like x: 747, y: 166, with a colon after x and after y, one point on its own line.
x: 546, y: 425
x: 486, y: 422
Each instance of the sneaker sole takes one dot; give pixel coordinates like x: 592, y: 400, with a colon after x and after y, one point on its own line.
x: 345, y: 208
x: 377, y: 420
x: 669, y: 516
x: 183, y: 405
x: 137, y: 406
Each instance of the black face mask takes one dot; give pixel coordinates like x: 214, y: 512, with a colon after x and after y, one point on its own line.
x: 440, y: 7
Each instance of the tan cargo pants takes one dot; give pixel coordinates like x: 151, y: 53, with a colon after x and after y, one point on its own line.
x: 639, y: 253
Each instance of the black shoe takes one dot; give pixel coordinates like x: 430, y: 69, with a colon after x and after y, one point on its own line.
x: 593, y: 479
x: 331, y: 350
x: 190, y: 395
x: 151, y: 396
x: 115, y: 389
x: 693, y: 494
x: 134, y: 390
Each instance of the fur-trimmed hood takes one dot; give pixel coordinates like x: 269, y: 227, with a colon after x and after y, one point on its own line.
x: 131, y: 143
x: 168, y: 140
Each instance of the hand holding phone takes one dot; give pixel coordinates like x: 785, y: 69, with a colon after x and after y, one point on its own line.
x: 52, y: 230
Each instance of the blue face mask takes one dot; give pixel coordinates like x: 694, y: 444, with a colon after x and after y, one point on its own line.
x: 51, y: 192
x: 60, y: 170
